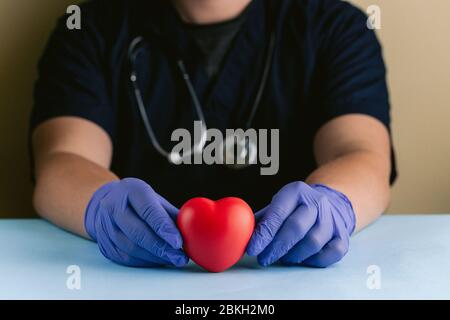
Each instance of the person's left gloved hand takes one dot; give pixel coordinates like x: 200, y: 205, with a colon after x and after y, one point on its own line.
x: 309, y: 225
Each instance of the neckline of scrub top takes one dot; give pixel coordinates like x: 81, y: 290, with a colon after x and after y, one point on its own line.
x: 161, y: 19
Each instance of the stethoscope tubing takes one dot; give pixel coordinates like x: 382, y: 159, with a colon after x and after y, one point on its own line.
x: 133, y: 51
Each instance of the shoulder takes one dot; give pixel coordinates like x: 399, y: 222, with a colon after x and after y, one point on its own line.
x: 324, y: 9
x: 102, y: 16
x: 104, y: 25
x: 327, y: 22
x: 324, y: 16
x: 104, y: 10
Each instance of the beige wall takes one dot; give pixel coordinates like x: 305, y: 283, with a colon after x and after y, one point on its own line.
x: 416, y: 37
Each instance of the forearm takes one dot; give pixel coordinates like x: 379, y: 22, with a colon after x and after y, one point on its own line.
x: 363, y: 176
x: 65, y: 183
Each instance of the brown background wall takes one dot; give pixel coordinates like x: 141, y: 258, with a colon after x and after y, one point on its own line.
x: 416, y: 38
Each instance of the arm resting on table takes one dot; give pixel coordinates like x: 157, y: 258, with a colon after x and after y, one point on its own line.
x: 353, y: 154
x: 72, y: 157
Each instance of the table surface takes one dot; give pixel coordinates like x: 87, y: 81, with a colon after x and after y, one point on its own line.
x: 409, y: 254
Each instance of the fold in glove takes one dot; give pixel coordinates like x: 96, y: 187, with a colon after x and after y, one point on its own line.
x: 134, y: 226
x: 309, y: 225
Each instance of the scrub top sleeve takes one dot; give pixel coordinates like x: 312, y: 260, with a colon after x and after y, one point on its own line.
x: 71, y: 77
x: 351, y: 74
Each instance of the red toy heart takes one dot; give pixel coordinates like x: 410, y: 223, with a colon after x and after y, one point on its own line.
x: 215, y: 233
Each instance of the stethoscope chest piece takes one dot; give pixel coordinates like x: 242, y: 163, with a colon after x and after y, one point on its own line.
x: 238, y: 152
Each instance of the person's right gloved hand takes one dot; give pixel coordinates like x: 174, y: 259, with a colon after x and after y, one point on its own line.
x: 134, y: 226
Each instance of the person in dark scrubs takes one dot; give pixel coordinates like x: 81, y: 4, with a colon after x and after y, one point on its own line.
x: 98, y: 172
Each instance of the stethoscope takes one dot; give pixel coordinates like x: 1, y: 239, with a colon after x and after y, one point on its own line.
x: 247, y: 147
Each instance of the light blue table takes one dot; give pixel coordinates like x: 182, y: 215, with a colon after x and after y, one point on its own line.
x: 411, y: 253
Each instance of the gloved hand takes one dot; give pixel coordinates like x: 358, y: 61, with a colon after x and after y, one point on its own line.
x: 309, y: 225
x: 134, y: 226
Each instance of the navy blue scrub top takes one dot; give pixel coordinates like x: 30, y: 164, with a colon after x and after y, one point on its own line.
x: 326, y: 63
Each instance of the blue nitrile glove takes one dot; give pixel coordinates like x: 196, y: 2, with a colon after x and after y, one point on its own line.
x: 134, y: 226
x: 309, y: 225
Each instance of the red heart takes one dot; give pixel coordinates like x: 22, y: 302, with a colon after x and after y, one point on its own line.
x: 215, y: 233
